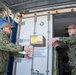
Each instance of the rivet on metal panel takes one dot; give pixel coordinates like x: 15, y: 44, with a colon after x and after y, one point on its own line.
x: 48, y: 16
x: 72, y: 10
x: 48, y: 31
x: 47, y: 71
x: 20, y: 40
x: 35, y: 18
x: 34, y: 32
x: 32, y: 69
x: 18, y: 60
x: 56, y: 12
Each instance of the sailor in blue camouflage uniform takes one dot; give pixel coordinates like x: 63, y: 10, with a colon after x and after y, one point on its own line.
x: 6, y: 47
x: 70, y: 42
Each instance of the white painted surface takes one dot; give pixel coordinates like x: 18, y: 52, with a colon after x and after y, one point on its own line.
x: 40, y: 53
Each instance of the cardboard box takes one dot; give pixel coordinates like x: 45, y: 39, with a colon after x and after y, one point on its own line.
x: 37, y: 40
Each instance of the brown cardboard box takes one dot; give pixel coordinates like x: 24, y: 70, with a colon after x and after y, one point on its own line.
x: 37, y: 40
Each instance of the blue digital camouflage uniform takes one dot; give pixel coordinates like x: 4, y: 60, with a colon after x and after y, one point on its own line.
x: 6, y: 48
x: 71, y: 43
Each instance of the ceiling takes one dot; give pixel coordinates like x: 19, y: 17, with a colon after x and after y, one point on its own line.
x: 27, y: 5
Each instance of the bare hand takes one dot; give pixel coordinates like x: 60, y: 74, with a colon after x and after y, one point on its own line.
x: 27, y: 49
x: 27, y: 56
x: 55, y: 44
x: 53, y: 40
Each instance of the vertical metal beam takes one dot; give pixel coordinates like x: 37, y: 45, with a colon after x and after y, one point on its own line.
x: 48, y: 16
x: 32, y: 64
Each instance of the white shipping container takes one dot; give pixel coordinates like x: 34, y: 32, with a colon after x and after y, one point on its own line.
x: 42, y: 61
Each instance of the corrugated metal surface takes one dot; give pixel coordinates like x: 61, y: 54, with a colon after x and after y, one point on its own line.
x: 26, y: 5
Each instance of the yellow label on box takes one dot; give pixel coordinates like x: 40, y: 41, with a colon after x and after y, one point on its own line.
x: 34, y: 39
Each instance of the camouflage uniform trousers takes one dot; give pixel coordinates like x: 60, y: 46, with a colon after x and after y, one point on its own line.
x: 3, y: 74
x: 73, y: 70
x: 72, y: 62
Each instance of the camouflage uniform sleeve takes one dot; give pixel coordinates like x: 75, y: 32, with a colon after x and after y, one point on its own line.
x: 16, y: 55
x: 67, y: 40
x: 11, y: 48
x: 62, y: 44
x: 7, y: 46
